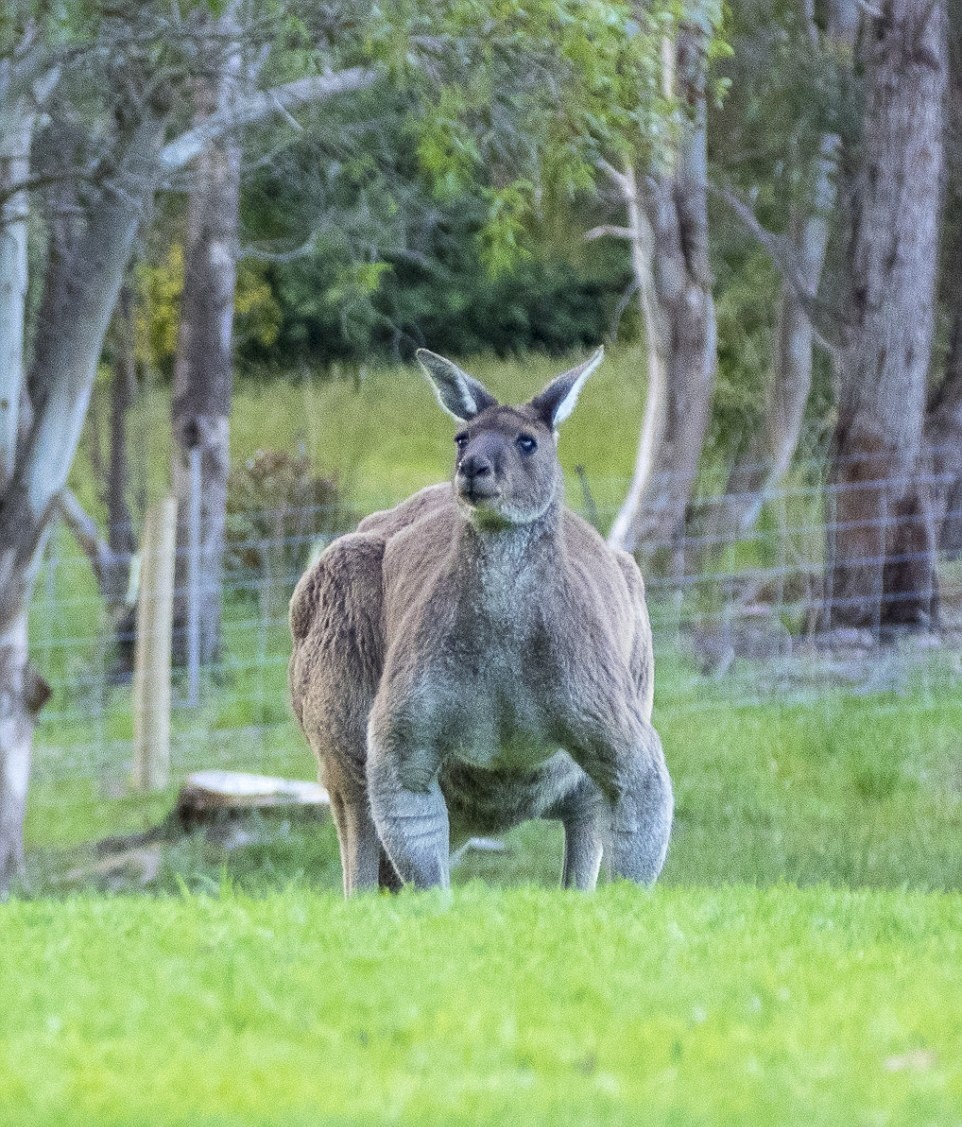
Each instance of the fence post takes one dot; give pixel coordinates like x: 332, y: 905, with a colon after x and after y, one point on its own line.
x: 151, y: 689
x: 193, y: 580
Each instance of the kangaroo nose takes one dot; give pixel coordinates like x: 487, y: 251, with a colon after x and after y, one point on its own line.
x: 476, y: 465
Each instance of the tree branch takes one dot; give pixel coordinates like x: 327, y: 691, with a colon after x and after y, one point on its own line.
x: 623, y: 181
x: 84, y: 530
x: 256, y: 107
x: 111, y: 568
x: 77, y: 175
x: 782, y: 256
x: 611, y: 230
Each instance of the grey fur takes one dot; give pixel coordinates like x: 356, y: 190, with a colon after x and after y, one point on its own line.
x: 480, y: 650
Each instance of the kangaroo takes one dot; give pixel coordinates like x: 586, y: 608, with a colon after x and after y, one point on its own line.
x: 480, y: 653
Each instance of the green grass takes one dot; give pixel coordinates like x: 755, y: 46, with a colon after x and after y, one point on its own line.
x: 840, y: 790
x: 384, y: 434
x: 799, y: 962
x: 692, y: 1006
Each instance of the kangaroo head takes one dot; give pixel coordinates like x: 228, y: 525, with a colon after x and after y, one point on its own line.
x: 506, y: 467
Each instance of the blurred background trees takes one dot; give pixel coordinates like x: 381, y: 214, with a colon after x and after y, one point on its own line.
x: 766, y: 199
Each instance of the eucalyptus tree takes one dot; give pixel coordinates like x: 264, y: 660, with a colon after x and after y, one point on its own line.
x: 881, y: 568
x: 790, y: 110
x: 112, y: 84
x: 667, y: 210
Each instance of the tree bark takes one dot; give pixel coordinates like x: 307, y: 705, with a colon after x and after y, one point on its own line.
x: 123, y: 381
x: 203, y: 371
x: 640, y: 238
x: 881, y: 546
x: 16, y: 129
x: 943, y: 426
x: 943, y: 441
x: 24, y: 87
x: 22, y: 695
x: 679, y: 314
x: 80, y: 293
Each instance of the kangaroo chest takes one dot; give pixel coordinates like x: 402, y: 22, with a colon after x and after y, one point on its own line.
x: 486, y: 685
x: 500, y: 701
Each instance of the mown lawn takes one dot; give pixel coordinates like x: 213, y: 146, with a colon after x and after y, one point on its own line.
x: 799, y: 962
x: 501, y: 1007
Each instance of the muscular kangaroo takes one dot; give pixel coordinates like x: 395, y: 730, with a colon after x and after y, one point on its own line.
x: 479, y: 653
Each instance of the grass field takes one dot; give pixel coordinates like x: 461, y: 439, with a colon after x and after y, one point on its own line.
x: 841, y: 790
x: 686, y: 1006
x: 383, y: 432
x: 799, y: 962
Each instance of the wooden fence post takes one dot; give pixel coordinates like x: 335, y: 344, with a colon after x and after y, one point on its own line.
x: 155, y: 609
x: 192, y: 572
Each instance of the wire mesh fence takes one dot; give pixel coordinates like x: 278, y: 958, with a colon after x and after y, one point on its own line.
x: 739, y: 618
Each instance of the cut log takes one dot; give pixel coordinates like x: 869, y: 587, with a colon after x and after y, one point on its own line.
x: 207, y: 794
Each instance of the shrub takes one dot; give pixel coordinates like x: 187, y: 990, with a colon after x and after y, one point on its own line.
x: 278, y: 507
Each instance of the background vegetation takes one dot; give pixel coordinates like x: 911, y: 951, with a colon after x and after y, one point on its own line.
x: 224, y: 229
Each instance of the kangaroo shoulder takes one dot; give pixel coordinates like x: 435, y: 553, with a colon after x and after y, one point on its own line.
x: 347, y: 575
x: 599, y: 558
x: 389, y: 522
x: 631, y: 572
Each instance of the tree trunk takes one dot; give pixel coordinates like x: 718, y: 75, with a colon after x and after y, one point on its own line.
x: 80, y: 294
x: 881, y: 558
x: 123, y: 381
x: 770, y: 454
x: 25, y: 86
x: 641, y: 240
x: 15, y: 132
x: 22, y: 695
x: 763, y: 465
x: 203, y: 373
x: 943, y: 440
x: 943, y: 427
x: 679, y: 315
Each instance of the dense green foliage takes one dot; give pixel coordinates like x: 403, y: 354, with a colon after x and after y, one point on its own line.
x: 441, y: 295
x: 428, y: 208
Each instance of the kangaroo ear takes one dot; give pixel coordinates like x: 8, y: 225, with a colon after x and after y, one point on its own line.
x: 558, y: 399
x: 459, y: 394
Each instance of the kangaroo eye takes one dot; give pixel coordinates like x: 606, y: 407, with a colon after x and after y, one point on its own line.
x: 527, y: 443
x: 460, y: 440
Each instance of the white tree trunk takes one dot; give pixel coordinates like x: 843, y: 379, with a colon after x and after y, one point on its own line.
x: 641, y: 238
x: 24, y: 87
x: 22, y: 694
x: 16, y: 128
x: 204, y: 366
x: 679, y: 314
